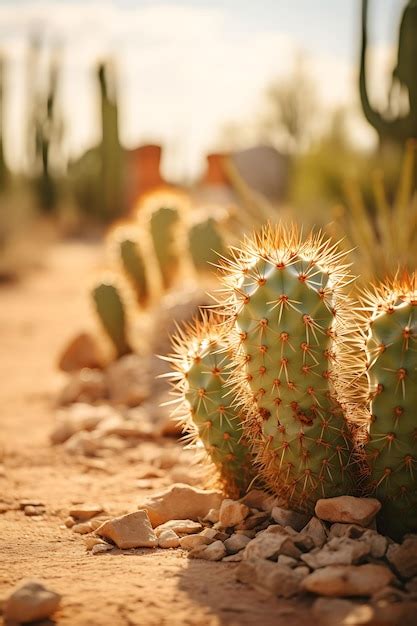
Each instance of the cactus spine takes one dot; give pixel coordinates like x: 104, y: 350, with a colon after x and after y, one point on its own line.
x: 163, y: 226
x: 201, y: 363
x: 111, y: 312
x: 290, y: 312
x: 391, y: 438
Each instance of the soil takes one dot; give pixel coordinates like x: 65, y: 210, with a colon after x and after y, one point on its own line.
x: 136, y: 587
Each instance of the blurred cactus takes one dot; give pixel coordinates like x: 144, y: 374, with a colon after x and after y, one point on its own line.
x: 134, y: 266
x: 205, y: 244
x: 164, y: 223
x: 392, y: 127
x: 112, y: 315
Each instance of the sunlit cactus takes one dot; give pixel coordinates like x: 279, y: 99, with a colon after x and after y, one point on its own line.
x: 390, y: 448
x: 287, y: 297
x: 201, y: 363
x: 205, y: 244
x: 164, y: 224
x: 111, y: 313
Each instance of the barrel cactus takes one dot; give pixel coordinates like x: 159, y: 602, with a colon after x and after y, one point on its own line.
x: 201, y: 363
x: 111, y: 313
x: 287, y: 298
x: 390, y: 448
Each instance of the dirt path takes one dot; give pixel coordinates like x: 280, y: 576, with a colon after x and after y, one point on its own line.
x: 139, y: 587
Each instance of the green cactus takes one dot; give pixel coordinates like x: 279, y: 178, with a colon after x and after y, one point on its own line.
x: 201, y: 362
x: 205, y: 244
x: 111, y: 312
x: 134, y: 267
x: 391, y: 445
x: 290, y: 312
x: 163, y: 226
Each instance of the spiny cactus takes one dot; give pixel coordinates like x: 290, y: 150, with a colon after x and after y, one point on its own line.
x: 124, y: 248
x: 391, y: 429
x: 205, y: 244
x: 163, y: 226
x: 111, y: 313
x: 290, y: 315
x: 201, y: 363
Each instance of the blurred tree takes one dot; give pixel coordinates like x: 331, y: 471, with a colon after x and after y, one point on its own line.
x: 393, y: 126
x: 291, y: 110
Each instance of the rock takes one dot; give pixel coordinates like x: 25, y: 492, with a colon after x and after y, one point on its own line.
x: 317, y: 531
x: 186, y: 476
x: 284, y: 517
x: 353, y: 531
x: 411, y: 585
x: 269, y: 546
x: 388, y: 595
x: 214, y: 552
x: 180, y: 527
x: 86, y: 385
x: 335, y: 612
x: 32, y: 511
x: 212, y: 516
x: 403, y: 558
x: 258, y: 499
x: 30, y: 502
x: 79, y: 416
x: 253, y: 521
x: 101, y: 548
x: 287, y: 561
x: 348, y: 580
x: 82, y: 351
x: 129, y: 531
x: 211, y: 533
x: 232, y: 513
x: 189, y: 542
x: 90, y: 542
x: 97, y: 521
x: 180, y: 502
x: 233, y: 558
x: 235, y: 543
x: 168, y: 539
x: 337, y: 551
x: 82, y: 443
x: 377, y: 543
x: 269, y: 577
x: 127, y: 381
x: 84, y: 512
x: 348, y: 509
x: 302, y: 571
x: 83, y: 528
x: 69, y: 522
x: 29, y: 601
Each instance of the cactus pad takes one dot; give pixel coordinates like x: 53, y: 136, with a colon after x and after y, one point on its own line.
x: 111, y: 312
x: 206, y: 244
x: 163, y: 226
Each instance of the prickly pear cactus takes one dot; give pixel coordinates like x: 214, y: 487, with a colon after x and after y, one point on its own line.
x: 201, y: 364
x: 111, y: 313
x: 134, y: 267
x: 391, y: 447
x: 289, y: 312
x: 205, y: 244
x: 163, y: 227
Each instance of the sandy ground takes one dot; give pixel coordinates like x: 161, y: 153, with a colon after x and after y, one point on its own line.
x: 137, y: 587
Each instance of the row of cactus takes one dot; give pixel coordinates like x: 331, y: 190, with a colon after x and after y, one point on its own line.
x: 293, y: 384
x: 150, y: 254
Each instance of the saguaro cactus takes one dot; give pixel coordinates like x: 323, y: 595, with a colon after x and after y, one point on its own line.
x: 201, y: 363
x: 290, y: 312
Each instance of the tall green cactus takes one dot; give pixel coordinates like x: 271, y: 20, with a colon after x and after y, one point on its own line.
x: 290, y: 312
x: 164, y: 223
x: 201, y: 363
x: 134, y: 266
x: 205, y: 244
x: 391, y: 438
x: 112, y: 315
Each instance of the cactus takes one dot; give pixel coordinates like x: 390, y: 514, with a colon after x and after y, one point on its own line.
x: 163, y: 226
x: 205, y: 244
x: 290, y: 313
x: 201, y: 363
x: 390, y: 449
x: 134, y: 266
x: 111, y: 312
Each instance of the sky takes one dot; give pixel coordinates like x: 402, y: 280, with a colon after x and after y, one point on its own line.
x: 188, y: 67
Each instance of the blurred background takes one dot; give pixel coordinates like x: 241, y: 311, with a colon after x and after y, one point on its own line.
x: 301, y: 106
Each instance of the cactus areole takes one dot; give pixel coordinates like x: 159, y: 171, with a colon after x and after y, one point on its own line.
x: 290, y: 314
x: 391, y: 448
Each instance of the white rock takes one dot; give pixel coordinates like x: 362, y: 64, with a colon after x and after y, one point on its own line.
x: 348, y: 580
x: 337, y: 551
x: 189, y: 542
x: 232, y: 513
x: 101, y: 548
x: 129, y: 531
x: 287, y: 561
x: 235, y: 543
x: 269, y: 577
x: 84, y: 512
x: 29, y: 601
x: 168, y: 539
x: 180, y: 502
x: 180, y: 527
x: 90, y: 542
x: 214, y: 552
x: 269, y: 546
x: 348, y: 509
x: 83, y: 528
x: 317, y: 531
